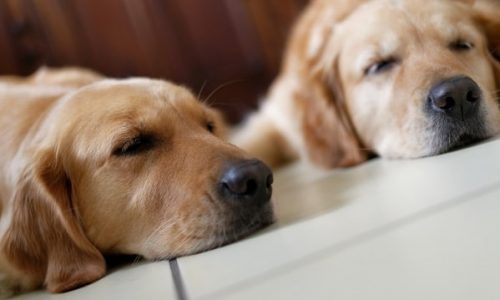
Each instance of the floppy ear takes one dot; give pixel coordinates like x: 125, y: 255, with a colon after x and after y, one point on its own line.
x: 330, y: 139
x: 45, y: 241
x: 488, y: 16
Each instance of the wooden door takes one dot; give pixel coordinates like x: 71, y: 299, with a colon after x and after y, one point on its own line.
x: 227, y: 49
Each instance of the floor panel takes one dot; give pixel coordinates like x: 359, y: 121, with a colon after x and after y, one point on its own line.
x: 331, y: 209
x: 137, y: 281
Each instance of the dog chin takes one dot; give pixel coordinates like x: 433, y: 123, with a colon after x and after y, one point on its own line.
x: 237, y: 229
x: 453, y: 143
x: 243, y: 227
x: 456, y: 135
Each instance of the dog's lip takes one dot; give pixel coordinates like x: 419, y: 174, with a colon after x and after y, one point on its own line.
x: 222, y: 238
x: 253, y: 226
x: 465, y: 140
x: 239, y: 230
x: 456, y: 134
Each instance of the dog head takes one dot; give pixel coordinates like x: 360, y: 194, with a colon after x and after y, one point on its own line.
x: 398, y: 78
x: 129, y: 167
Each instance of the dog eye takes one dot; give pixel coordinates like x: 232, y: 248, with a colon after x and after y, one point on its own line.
x: 136, y: 145
x: 210, y: 126
x: 496, y: 55
x: 381, y: 66
x: 461, y: 45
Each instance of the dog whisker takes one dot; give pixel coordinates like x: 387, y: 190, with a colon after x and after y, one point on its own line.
x: 223, y: 104
x: 200, y: 92
x: 219, y: 88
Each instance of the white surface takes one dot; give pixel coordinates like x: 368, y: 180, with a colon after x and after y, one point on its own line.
x: 133, y: 282
x: 338, y: 209
x: 447, y: 253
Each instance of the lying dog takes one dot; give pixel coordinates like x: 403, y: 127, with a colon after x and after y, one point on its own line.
x: 131, y: 166
x: 395, y: 78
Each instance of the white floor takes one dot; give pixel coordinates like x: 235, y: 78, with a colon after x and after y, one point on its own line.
x: 415, y: 229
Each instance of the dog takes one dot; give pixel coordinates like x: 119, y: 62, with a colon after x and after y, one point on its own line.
x: 93, y: 166
x: 398, y: 79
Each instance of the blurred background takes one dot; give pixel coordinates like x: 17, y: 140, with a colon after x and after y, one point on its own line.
x: 231, y: 48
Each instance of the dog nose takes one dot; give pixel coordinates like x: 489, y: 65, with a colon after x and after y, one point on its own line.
x: 247, y: 181
x: 457, y: 97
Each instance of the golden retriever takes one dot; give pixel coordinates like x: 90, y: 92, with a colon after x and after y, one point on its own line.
x: 393, y: 78
x: 133, y: 166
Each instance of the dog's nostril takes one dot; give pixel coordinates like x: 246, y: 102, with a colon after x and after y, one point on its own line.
x: 239, y: 186
x: 472, y: 96
x: 251, y: 187
x: 444, y: 102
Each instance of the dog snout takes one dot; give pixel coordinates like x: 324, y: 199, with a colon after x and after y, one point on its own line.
x: 247, y: 181
x: 457, y: 97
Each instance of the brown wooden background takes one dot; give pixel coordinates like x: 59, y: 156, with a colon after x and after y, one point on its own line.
x: 205, y: 44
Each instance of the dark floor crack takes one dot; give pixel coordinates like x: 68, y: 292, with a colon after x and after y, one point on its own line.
x: 178, y: 282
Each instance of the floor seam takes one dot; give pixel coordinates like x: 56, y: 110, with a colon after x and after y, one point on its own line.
x: 177, y: 278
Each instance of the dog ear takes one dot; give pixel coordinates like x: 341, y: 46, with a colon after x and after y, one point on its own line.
x: 488, y: 17
x: 330, y: 139
x: 45, y: 241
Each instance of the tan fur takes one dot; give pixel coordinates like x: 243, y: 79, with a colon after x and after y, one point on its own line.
x: 66, y: 198
x: 328, y: 112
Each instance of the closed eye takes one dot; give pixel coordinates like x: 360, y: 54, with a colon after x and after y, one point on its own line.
x: 210, y: 126
x: 381, y: 66
x: 461, y: 45
x: 496, y: 54
x: 136, y: 145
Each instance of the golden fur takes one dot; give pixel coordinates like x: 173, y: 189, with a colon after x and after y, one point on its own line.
x: 68, y: 195
x: 326, y: 107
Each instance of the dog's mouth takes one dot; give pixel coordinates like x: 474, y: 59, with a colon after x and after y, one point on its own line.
x: 456, y: 140
x: 239, y: 228
x: 453, y: 135
x: 465, y: 141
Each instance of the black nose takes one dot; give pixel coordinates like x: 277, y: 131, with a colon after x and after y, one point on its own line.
x: 457, y: 97
x: 249, y: 181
